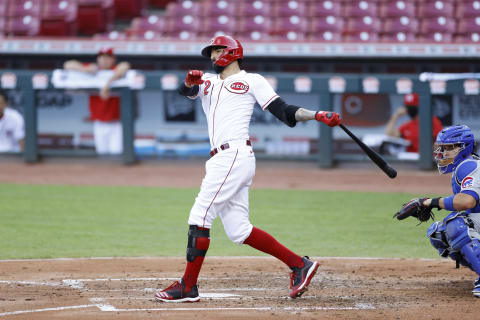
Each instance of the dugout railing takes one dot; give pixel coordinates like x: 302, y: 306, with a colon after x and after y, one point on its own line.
x: 325, y: 85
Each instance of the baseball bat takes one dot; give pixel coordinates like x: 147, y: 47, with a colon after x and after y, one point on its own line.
x: 375, y: 157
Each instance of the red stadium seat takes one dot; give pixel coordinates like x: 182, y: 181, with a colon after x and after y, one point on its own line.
x: 439, y: 24
x: 215, y: 8
x: 185, y: 23
x: 252, y: 36
x: 362, y: 36
x: 363, y: 24
x: 24, y: 8
x: 397, y: 8
x: 288, y: 9
x: 324, y: 36
x: 400, y: 24
x: 128, y: 9
x: 324, y: 8
x: 162, y: 4
x: 360, y: 8
x: 181, y: 35
x: 3, y: 25
x: 59, y: 18
x: 179, y: 9
x: 222, y: 25
x: 254, y: 24
x: 289, y: 36
x: 23, y: 26
x: 436, y: 37
x: 3, y: 8
x: 468, y: 9
x: 472, y: 37
x: 95, y: 16
x: 285, y: 24
x: 469, y: 25
x: 397, y: 37
x: 256, y: 8
x: 112, y: 35
x: 330, y: 23
x: 437, y: 8
x: 152, y: 22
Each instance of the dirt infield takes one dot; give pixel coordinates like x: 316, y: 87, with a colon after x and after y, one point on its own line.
x: 233, y: 288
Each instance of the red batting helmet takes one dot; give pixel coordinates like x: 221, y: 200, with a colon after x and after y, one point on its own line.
x: 411, y: 99
x: 233, y: 50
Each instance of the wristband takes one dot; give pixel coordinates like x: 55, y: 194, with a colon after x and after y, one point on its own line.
x: 435, y: 203
x: 448, y: 203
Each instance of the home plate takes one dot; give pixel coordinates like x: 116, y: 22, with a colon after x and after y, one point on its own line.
x: 215, y: 295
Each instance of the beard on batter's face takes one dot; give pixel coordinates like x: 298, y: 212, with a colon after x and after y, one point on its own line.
x: 218, y: 69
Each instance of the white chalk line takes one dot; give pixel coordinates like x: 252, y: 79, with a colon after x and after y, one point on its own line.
x: 219, y: 258
x: 32, y: 283
x: 47, y: 309
x: 103, y: 306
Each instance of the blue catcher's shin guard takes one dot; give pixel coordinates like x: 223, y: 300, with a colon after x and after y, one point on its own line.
x: 459, y: 239
x: 471, y: 253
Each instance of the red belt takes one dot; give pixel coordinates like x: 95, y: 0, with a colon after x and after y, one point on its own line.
x: 225, y: 146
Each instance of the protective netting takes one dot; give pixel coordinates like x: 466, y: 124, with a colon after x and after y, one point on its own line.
x: 475, y: 218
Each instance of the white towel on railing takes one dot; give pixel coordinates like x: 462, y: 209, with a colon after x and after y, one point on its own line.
x: 68, y: 79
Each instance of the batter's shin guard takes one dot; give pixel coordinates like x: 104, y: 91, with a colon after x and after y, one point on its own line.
x: 198, y: 242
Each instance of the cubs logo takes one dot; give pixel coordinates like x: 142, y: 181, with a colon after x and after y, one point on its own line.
x: 238, y: 87
x: 467, y: 182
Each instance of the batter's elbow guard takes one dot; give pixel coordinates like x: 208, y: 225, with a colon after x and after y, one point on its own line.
x: 188, y: 92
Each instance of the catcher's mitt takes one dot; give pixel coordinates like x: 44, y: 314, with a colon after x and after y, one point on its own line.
x: 415, y: 208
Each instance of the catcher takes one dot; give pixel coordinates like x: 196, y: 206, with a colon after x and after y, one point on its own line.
x: 458, y: 235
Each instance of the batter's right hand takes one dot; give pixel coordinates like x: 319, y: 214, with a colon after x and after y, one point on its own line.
x: 194, y: 77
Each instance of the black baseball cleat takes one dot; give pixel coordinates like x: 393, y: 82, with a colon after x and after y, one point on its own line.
x: 476, y: 288
x: 176, y: 293
x: 300, y: 277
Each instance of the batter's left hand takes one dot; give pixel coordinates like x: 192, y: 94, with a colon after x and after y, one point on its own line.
x: 330, y: 118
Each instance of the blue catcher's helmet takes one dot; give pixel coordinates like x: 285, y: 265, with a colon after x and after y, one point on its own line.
x: 453, y: 145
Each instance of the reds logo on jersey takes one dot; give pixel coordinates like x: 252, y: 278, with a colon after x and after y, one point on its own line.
x: 238, y: 87
x: 467, y: 182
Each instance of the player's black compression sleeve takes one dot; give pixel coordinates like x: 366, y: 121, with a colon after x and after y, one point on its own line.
x: 284, y: 112
x: 188, y: 92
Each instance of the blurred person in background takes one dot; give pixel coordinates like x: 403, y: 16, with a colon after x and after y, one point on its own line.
x: 410, y: 129
x: 12, y: 127
x: 104, y: 107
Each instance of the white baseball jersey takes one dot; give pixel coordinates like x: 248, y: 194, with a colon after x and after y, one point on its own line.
x: 12, y: 129
x: 228, y: 105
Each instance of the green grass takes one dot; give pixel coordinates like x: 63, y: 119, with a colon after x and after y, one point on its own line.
x: 92, y: 221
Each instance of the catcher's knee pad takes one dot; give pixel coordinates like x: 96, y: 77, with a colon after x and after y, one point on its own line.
x: 457, y: 233
x: 436, y: 234
x: 471, y: 253
x: 195, y: 235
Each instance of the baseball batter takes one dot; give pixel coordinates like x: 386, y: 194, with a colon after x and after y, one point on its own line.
x: 228, y: 98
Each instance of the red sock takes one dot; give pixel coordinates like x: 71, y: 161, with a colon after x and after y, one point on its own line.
x: 193, y: 268
x: 264, y: 242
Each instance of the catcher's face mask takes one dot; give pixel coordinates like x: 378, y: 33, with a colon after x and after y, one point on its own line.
x: 445, y: 155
